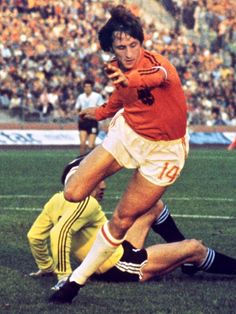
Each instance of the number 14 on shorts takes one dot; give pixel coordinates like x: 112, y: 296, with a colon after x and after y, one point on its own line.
x: 169, y: 171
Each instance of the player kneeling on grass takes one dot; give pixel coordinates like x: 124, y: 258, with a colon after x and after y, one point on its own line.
x: 141, y: 264
x: 74, y: 226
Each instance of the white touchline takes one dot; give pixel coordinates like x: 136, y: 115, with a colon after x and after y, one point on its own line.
x: 115, y: 196
x: 110, y: 212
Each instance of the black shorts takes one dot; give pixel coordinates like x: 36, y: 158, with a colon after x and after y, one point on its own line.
x: 129, y: 268
x: 88, y: 125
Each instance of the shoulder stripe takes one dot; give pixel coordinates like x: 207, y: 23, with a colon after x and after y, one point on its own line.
x: 148, y: 71
x: 151, y: 58
x: 61, y: 246
x: 164, y: 70
x: 152, y: 71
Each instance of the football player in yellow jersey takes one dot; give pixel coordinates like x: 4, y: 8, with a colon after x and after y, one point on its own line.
x: 72, y: 227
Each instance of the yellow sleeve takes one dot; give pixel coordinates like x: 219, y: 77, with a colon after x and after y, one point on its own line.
x: 76, y: 218
x: 38, y: 236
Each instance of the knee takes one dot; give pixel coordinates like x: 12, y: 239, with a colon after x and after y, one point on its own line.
x: 71, y: 196
x: 195, y: 248
x: 121, y: 223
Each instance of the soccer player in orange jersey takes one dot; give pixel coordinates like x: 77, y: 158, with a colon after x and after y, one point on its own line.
x: 232, y: 146
x: 147, y: 133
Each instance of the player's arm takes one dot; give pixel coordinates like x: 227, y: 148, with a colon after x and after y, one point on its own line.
x: 78, y: 105
x: 153, y: 76
x: 148, y: 77
x: 107, y: 110
x: 37, y: 237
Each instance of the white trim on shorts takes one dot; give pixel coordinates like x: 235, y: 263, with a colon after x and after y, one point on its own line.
x: 131, y: 268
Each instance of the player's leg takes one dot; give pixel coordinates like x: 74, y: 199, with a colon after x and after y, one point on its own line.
x: 165, y: 225
x: 83, y: 136
x: 96, y: 166
x: 93, y: 132
x: 138, y: 232
x: 139, y: 196
x: 160, y: 220
x: 91, y: 141
x: 218, y: 263
x: 163, y: 258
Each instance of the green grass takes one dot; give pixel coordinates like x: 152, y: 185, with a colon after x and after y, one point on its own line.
x: 206, y: 188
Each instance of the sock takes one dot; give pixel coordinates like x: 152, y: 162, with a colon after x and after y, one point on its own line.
x: 104, y: 246
x: 166, y: 227
x: 218, y: 263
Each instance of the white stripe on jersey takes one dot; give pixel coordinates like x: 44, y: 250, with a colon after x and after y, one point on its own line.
x: 163, y: 69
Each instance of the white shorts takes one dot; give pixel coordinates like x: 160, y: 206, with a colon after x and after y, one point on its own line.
x: 160, y: 162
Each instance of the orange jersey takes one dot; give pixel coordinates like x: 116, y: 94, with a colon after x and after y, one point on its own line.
x: 154, y: 102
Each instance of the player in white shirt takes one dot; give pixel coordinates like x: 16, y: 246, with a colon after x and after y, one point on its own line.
x: 88, y: 128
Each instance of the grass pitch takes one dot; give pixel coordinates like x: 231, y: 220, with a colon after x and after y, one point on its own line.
x: 203, y: 200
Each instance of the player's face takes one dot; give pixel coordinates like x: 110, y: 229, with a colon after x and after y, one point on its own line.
x: 126, y: 49
x: 88, y: 89
x: 99, y: 191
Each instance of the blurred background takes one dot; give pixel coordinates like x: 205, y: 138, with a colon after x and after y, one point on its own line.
x: 47, y: 49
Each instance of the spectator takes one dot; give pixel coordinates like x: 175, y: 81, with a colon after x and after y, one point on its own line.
x: 45, y: 106
x: 51, y: 45
x: 4, y: 99
x: 217, y: 118
x: 88, y: 128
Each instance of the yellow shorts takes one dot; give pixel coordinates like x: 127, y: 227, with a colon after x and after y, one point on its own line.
x: 160, y: 162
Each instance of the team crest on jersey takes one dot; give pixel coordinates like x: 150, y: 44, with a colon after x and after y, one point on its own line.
x: 145, y: 96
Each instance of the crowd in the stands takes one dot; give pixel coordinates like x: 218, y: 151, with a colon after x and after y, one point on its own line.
x: 47, y: 48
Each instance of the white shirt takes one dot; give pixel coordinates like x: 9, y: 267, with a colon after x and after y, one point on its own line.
x: 93, y: 100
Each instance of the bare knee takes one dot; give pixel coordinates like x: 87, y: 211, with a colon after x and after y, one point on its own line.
x: 119, y: 225
x: 68, y: 194
x: 74, y: 193
x: 196, y: 250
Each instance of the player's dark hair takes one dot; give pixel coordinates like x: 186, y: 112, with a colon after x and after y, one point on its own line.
x: 69, y: 166
x: 122, y: 20
x: 88, y: 81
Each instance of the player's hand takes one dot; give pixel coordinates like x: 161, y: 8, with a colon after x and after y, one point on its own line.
x: 41, y: 273
x: 88, y: 113
x: 116, y: 75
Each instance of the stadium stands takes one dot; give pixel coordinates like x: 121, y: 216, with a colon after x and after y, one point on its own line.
x: 49, y: 47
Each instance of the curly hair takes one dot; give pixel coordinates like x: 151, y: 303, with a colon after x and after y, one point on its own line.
x: 122, y: 20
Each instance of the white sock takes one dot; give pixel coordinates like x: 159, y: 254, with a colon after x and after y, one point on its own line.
x: 104, y: 246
